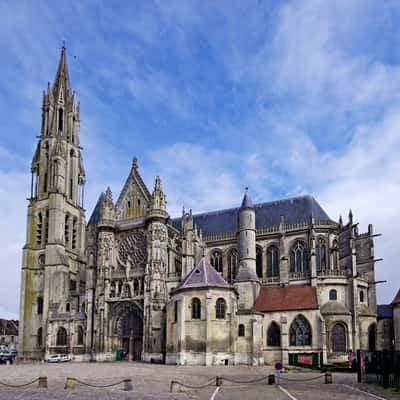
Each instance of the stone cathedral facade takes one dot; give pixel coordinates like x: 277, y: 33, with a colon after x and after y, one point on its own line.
x: 247, y: 285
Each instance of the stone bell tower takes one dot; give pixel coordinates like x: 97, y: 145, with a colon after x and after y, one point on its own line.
x: 54, y: 251
x: 155, y: 296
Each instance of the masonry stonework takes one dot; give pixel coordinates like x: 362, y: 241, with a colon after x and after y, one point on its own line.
x: 247, y: 285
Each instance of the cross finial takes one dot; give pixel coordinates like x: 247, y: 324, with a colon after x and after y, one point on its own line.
x: 63, y: 43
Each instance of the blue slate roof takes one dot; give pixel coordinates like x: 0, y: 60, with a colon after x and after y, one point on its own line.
x: 95, y: 217
x: 384, y: 311
x: 247, y: 203
x: 203, y: 275
x: 295, y: 210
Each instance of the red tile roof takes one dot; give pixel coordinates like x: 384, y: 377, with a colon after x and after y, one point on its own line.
x: 294, y: 297
x: 396, y: 298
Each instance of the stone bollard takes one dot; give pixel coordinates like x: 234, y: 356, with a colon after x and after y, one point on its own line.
x: 128, y: 385
x: 328, y: 377
x: 173, y: 386
x: 70, y: 383
x: 42, y: 382
x: 218, y: 381
x: 271, y: 379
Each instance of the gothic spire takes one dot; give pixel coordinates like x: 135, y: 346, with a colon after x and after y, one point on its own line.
x: 62, y: 77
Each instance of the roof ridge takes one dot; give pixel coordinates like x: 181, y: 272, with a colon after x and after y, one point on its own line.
x: 305, y: 196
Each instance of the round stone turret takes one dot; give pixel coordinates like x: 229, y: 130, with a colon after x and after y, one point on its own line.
x: 247, y: 240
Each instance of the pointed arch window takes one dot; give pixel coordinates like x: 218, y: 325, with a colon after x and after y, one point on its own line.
x: 232, y: 265
x: 216, y: 260
x: 273, y: 334
x: 299, y: 258
x: 321, y: 254
x: 241, y: 330
x: 39, y: 337
x: 79, y: 339
x: 60, y: 120
x: 335, y: 255
x: 196, y: 308
x: 61, y: 337
x: 220, y: 308
x: 259, y: 268
x: 300, y: 332
x: 40, y: 305
x: 272, y: 262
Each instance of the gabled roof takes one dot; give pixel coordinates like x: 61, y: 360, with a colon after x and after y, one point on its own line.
x: 396, y: 299
x: 202, y: 276
x: 286, y: 298
x: 294, y: 210
x: 134, y: 179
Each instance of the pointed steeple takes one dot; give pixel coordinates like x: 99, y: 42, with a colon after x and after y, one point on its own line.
x: 158, y: 197
x: 158, y: 202
x: 62, y: 77
x: 247, y: 203
x: 350, y: 216
x: 108, y: 196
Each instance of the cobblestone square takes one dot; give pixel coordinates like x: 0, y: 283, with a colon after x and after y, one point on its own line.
x: 151, y: 381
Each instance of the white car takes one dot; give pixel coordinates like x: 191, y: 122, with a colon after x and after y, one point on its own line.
x: 58, y: 358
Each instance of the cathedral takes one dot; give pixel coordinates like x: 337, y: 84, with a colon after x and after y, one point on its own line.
x: 248, y: 285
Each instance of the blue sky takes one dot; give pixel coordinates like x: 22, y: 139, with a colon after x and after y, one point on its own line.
x: 284, y: 97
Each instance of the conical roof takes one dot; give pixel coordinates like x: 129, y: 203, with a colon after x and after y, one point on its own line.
x: 202, y: 276
x: 247, y: 203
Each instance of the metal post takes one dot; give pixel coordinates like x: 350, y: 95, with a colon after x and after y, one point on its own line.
x: 385, y: 369
x: 359, y: 377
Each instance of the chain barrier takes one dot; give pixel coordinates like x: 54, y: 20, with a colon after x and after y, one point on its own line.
x: 301, y: 380
x: 245, y: 382
x: 18, y: 386
x: 211, y: 382
x: 99, y: 386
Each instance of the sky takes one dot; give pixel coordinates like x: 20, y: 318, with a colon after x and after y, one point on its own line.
x: 285, y: 97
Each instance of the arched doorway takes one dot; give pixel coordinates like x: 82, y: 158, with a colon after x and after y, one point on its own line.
x: 338, y: 339
x: 129, y: 324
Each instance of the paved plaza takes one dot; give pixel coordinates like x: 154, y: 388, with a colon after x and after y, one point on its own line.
x: 152, y: 381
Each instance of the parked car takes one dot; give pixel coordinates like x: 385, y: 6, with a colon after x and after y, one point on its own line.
x: 14, y: 352
x: 6, y: 359
x: 56, y: 358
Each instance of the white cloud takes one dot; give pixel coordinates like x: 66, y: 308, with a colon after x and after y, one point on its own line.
x: 14, y: 189
x: 197, y: 177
